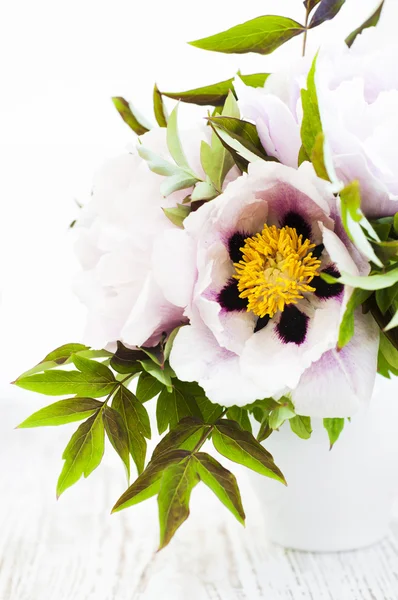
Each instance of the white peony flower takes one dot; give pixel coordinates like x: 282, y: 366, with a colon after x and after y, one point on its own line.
x: 262, y: 321
x: 120, y: 236
x: 358, y: 97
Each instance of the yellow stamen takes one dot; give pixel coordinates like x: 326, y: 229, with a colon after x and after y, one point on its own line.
x: 276, y: 269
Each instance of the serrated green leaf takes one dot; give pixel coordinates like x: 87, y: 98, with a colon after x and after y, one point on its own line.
x: 241, y: 416
x: 83, y: 453
x: 172, y: 407
x: 243, y: 132
x: 159, y: 108
x: 347, y: 325
x: 371, y: 282
x: 222, y: 482
x: 125, y: 111
x: 216, y: 94
x: 178, y: 214
x: 117, y: 434
x: 301, y: 426
x: 184, y: 436
x: 148, y: 387
x: 62, y: 412
x: 137, y: 423
x: 326, y: 11
x: 311, y: 125
x: 176, y: 486
x: 262, y: 35
x: 334, y: 427
x: 148, y: 484
x: 241, y: 447
x: 371, y: 22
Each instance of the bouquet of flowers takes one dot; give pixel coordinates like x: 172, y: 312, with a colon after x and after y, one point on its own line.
x: 243, y: 273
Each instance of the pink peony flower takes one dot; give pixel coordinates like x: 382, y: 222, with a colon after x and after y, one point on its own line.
x: 262, y: 321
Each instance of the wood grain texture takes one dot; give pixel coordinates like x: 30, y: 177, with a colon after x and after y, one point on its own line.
x: 74, y: 550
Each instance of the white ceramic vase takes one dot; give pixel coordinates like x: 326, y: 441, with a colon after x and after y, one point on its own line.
x: 339, y: 499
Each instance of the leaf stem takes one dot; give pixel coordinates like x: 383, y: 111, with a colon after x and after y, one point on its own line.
x: 307, y: 15
x: 117, y: 385
x: 207, y: 434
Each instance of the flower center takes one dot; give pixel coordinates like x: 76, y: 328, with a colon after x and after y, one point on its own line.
x: 275, y: 270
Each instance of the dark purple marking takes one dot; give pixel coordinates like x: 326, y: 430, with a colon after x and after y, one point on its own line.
x: 229, y: 298
x: 326, y: 290
x: 297, y: 222
x: 235, y: 243
x: 317, y: 251
x: 261, y: 323
x: 293, y: 325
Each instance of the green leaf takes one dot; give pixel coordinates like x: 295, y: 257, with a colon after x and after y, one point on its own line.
x: 204, y: 191
x: 148, y: 484
x: 124, y: 109
x: 243, y: 132
x: 241, y: 447
x: 184, y: 436
x: 262, y: 35
x: 174, y: 142
x: 371, y: 22
x: 326, y: 11
x: 310, y: 4
x: 93, y: 369
x: 125, y: 360
x: 334, y: 427
x: 393, y: 323
x: 347, y: 325
x: 157, y: 164
x: 170, y: 341
x: 209, y: 411
x: 137, y: 424
x: 62, y: 412
x: 216, y: 94
x: 395, y: 223
x: 222, y: 482
x: 385, y: 297
x: 117, y: 435
x: 180, y: 181
x: 159, y: 108
x: 318, y: 157
x: 279, y: 415
x: 59, y: 383
x: 301, y: 426
x: 176, y: 486
x: 311, y: 125
x: 174, y: 406
x: 63, y: 356
x: 265, y: 430
x: 148, y: 387
x: 241, y: 416
x: 83, y: 453
x: 354, y: 221
x: 178, y: 214
x: 371, y: 282
x: 389, y: 352
x: 162, y: 374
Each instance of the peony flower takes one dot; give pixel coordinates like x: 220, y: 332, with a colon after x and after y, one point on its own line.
x: 120, y: 236
x: 357, y: 94
x: 263, y: 322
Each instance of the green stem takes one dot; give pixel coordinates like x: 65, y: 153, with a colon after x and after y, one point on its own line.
x: 207, y: 434
x: 307, y: 15
x: 117, y: 385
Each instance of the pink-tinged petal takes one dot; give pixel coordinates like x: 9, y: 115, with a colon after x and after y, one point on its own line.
x: 151, y: 316
x: 339, y: 383
x: 276, y: 365
x: 196, y: 356
x: 173, y: 266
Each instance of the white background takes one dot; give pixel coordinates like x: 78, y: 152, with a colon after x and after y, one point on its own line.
x: 60, y: 64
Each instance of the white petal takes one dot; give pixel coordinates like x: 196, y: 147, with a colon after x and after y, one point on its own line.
x: 340, y: 382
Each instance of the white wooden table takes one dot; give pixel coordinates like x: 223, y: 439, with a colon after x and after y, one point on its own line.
x: 74, y: 550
